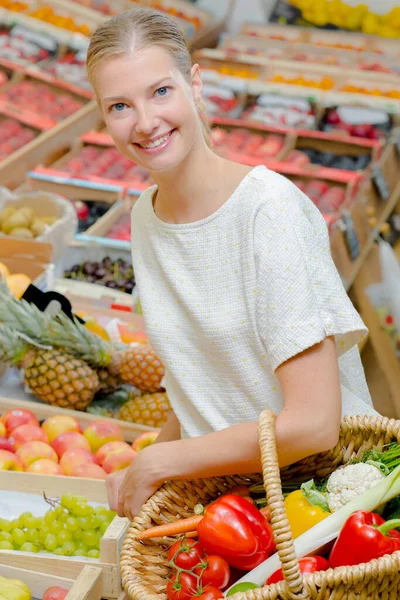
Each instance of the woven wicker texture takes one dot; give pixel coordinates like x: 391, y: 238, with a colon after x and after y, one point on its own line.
x: 144, y: 568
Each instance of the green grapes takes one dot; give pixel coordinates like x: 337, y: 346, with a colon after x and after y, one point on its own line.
x: 6, y: 545
x: 90, y: 538
x: 71, y: 528
x: 32, y: 535
x: 50, y: 542
x: 29, y: 547
x: 18, y: 537
x: 72, y: 524
x: 5, y: 525
x: 64, y: 536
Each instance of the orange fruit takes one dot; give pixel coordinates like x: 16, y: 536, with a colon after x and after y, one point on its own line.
x: 17, y: 284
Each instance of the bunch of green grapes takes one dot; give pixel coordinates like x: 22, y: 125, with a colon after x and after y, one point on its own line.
x: 71, y: 528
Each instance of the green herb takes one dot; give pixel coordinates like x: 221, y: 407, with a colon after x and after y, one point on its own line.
x: 314, y: 497
x: 388, y: 455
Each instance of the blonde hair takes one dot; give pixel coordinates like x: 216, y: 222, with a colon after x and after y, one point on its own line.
x: 140, y: 28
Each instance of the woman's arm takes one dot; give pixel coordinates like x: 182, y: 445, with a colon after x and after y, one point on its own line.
x: 171, y: 431
x: 309, y: 423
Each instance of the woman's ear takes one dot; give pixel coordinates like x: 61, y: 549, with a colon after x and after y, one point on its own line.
x: 197, y: 84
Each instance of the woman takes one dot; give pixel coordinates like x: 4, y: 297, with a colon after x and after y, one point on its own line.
x: 240, y: 295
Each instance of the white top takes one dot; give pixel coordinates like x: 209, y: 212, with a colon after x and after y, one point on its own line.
x: 229, y: 298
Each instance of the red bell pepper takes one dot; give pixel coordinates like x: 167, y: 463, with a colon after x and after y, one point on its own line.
x: 308, y: 564
x: 364, y: 536
x: 234, y: 528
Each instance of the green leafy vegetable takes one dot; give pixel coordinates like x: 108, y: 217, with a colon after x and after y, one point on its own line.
x: 315, y: 497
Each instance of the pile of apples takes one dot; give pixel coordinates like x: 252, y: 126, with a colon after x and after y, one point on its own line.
x: 253, y: 145
x: 105, y: 163
x: 60, y: 447
x: 328, y: 198
x: 41, y: 99
x: 13, y: 135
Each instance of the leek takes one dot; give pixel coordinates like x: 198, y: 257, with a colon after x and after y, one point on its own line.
x: 328, y: 529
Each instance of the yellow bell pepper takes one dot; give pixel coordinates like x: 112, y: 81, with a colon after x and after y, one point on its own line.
x: 301, y: 513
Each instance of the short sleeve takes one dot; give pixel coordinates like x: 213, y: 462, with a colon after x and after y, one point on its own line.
x: 300, y: 296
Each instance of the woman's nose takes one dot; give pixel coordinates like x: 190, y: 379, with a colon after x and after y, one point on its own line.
x: 146, y: 122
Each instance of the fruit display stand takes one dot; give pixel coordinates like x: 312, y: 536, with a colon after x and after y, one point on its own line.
x: 44, y: 411
x: 24, y: 89
x: 113, y: 230
x: 47, y: 146
x: 91, y: 169
x: 86, y: 586
x: 31, y: 259
x: 65, y: 21
x: 330, y: 39
x: 65, y: 566
x: 383, y: 346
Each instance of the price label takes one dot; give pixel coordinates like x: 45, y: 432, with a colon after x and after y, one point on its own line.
x: 350, y: 236
x: 380, y: 183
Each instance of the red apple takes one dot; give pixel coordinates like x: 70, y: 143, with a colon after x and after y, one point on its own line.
x: 45, y: 466
x: 68, y: 440
x: 144, y: 439
x: 55, y: 426
x: 75, y: 457
x: 3, y: 430
x: 55, y: 593
x: 119, y: 459
x: 17, y: 416
x: 28, y: 433
x: 6, y: 444
x: 90, y: 471
x: 109, y: 448
x: 102, y: 431
x: 32, y: 451
x: 10, y: 461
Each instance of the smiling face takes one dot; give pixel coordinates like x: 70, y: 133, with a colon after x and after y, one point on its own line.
x: 149, y: 107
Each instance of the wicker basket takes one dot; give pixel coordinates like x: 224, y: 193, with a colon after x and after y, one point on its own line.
x: 144, y: 567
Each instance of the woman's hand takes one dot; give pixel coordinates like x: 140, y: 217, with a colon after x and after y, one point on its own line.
x: 141, y: 480
x: 113, y: 484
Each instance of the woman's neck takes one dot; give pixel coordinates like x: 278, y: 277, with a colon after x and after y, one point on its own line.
x: 192, y: 191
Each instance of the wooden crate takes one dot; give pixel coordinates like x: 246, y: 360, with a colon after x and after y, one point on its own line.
x: 44, y: 411
x: 85, y: 587
x: 47, y: 146
x: 99, y: 230
x: 54, y: 176
x: 70, y: 568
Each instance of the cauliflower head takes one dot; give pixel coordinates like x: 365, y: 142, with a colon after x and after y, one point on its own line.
x: 349, y: 482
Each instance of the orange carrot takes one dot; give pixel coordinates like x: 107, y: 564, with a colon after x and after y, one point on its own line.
x: 189, y: 525
x: 180, y: 526
x: 191, y: 534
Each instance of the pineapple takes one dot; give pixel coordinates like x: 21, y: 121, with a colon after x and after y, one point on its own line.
x: 137, y: 366
x: 109, y: 380
x: 149, y: 409
x: 53, y: 376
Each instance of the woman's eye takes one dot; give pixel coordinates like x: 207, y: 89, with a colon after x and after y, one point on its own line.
x: 118, y: 107
x: 162, y: 91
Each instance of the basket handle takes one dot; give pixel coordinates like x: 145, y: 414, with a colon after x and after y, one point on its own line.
x: 279, y: 521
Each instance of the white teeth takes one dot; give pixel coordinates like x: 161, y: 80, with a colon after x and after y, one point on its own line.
x: 157, y: 142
